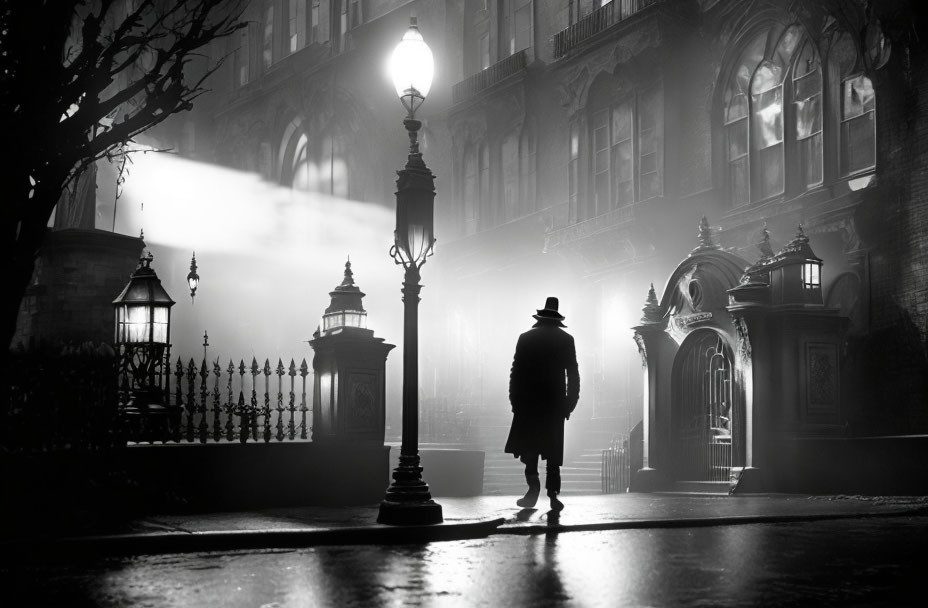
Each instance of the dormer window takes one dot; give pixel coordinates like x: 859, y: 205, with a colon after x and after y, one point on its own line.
x: 811, y: 277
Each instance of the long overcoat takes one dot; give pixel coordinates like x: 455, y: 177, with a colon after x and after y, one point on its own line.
x: 544, y: 387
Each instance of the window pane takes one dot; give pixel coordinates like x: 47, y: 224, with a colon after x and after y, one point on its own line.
x: 767, y: 77
x: 768, y: 171
x: 650, y: 185
x: 737, y: 139
x: 625, y: 192
x: 621, y: 123
x: 737, y: 107
x: 648, y: 163
x: 268, y: 36
x: 484, y: 51
x: 524, y: 27
x: 510, y: 154
x: 650, y: 144
x: 647, y: 142
x: 858, y: 97
x: 470, y: 183
x: 768, y: 118
x: 601, y: 188
x: 858, y: 139
x: 810, y: 160
x: 808, y: 117
x: 738, y: 181
x: 623, y: 161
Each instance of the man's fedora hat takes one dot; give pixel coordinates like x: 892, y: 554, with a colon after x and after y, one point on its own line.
x: 549, y: 312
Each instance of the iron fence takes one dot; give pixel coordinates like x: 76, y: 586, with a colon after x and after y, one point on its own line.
x: 621, y: 459
x: 616, y: 467
x: 703, y: 455
x: 225, y: 404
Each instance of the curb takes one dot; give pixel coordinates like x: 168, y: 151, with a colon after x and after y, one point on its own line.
x: 153, y: 543
x: 235, y: 540
x: 696, y: 522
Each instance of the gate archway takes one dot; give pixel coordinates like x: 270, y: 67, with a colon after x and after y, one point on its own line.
x: 704, y: 417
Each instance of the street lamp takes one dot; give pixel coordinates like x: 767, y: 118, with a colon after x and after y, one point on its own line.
x: 193, y: 279
x: 408, y: 500
x: 143, y: 335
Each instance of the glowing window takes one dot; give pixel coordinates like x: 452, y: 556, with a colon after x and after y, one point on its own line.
x: 810, y: 276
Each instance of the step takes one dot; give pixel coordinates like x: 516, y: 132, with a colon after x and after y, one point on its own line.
x: 701, y: 487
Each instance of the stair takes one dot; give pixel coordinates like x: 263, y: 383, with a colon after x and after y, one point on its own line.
x: 700, y: 487
x: 504, y: 475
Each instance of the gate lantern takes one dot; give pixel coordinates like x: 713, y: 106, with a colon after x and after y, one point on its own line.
x: 349, y: 364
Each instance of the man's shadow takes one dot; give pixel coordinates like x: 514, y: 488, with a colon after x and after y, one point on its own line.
x: 525, y: 514
x: 552, y: 517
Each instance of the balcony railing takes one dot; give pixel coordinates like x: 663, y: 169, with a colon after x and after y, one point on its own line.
x: 598, y: 21
x: 485, y: 79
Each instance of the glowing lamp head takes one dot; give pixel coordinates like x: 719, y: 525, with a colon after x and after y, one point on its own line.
x: 143, y: 309
x: 412, y: 68
x: 193, y: 279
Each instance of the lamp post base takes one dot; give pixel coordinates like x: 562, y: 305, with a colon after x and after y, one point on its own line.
x: 408, y: 501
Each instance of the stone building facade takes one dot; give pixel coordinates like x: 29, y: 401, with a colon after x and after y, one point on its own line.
x: 591, y: 149
x: 576, y: 146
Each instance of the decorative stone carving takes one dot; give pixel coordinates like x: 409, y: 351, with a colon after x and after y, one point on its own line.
x: 651, y: 312
x: 744, y: 340
x: 642, y: 350
x: 705, y: 237
x: 822, y: 370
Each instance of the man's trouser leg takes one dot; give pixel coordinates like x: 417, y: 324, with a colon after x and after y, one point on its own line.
x: 553, y: 479
x: 531, y: 477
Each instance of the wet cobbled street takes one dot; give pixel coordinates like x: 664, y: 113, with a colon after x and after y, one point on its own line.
x: 872, y: 561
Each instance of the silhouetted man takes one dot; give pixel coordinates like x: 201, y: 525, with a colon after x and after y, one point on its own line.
x: 544, y: 387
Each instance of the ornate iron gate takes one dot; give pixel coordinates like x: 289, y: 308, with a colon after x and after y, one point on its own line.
x: 703, y: 416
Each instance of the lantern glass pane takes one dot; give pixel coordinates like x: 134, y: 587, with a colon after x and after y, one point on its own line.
x: 160, y: 328
x: 137, y: 324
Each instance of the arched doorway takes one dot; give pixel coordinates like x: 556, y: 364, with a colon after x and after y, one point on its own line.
x: 704, y: 416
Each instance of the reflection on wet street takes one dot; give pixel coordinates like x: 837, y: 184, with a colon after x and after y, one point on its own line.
x: 846, y: 562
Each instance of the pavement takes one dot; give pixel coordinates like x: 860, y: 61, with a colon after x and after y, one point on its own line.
x: 473, y: 517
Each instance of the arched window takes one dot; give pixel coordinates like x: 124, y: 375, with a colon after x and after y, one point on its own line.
x: 314, y: 165
x: 807, y: 116
x: 773, y: 118
x: 736, y: 121
x: 857, y: 119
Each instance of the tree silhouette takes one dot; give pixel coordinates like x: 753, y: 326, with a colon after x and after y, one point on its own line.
x: 78, y: 80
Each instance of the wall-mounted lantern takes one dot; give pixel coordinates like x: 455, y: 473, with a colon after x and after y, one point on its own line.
x: 143, y: 335
x: 349, y: 391
x: 193, y: 279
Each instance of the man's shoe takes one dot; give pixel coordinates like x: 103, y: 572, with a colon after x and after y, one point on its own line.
x: 556, y: 505
x: 531, y: 497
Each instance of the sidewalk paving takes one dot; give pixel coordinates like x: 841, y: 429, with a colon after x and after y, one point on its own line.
x: 463, y: 518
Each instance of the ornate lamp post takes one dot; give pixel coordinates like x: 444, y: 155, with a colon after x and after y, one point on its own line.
x: 143, y: 341
x: 408, y: 500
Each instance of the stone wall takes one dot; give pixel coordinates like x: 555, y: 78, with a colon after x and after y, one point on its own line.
x: 78, y: 274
